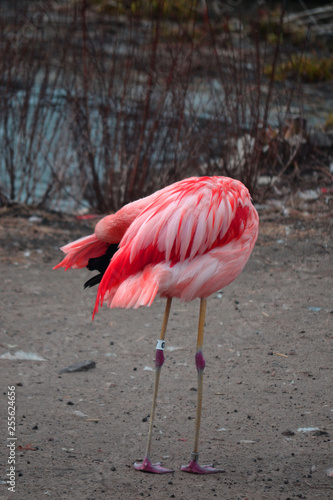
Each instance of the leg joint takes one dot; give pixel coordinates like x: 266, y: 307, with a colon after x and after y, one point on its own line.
x: 199, y: 361
x: 159, y: 359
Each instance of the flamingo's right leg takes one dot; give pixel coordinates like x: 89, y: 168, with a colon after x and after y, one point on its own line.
x: 193, y: 465
x: 147, y: 465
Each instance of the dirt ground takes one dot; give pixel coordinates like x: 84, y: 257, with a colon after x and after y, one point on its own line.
x: 268, y: 376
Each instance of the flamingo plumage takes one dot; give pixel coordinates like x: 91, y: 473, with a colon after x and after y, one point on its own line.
x: 185, y: 241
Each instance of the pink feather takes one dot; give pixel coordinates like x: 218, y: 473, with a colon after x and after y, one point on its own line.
x: 187, y: 240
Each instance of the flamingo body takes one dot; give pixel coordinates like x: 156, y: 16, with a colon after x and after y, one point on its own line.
x: 187, y: 240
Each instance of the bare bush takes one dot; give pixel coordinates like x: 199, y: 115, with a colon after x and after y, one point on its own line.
x: 102, y: 109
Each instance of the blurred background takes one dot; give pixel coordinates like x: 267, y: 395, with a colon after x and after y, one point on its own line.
x: 105, y: 101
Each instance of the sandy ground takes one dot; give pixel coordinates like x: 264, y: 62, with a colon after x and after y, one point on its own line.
x: 268, y: 350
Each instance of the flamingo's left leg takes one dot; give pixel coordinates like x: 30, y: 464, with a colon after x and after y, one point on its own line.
x: 193, y: 466
x: 147, y: 465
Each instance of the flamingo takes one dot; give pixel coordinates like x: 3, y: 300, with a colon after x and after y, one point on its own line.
x: 185, y: 241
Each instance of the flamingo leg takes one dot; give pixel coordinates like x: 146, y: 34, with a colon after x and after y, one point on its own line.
x: 193, y: 465
x: 147, y: 465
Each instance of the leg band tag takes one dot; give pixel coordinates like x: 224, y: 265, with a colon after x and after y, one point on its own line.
x: 160, y: 345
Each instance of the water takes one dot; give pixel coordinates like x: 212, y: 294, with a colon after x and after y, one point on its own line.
x: 50, y: 153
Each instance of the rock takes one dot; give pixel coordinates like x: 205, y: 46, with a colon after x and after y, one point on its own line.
x: 79, y: 367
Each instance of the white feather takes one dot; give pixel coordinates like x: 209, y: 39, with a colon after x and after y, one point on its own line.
x: 186, y: 233
x: 199, y: 240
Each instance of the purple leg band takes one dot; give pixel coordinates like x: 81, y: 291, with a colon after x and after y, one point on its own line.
x: 159, y: 360
x: 199, y: 361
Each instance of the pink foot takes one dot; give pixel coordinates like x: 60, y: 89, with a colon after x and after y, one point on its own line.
x: 147, y: 466
x: 195, y: 468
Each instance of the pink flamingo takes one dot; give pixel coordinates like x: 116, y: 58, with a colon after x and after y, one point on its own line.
x: 188, y: 241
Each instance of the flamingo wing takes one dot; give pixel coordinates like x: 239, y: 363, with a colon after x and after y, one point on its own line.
x: 185, y: 221
x: 182, y: 222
